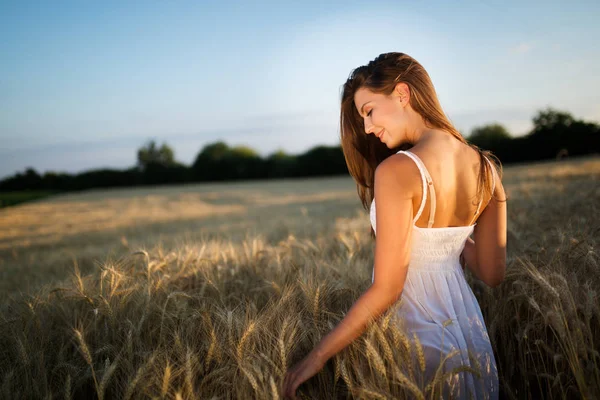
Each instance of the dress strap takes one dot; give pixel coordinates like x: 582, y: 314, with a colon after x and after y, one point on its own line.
x: 493, y: 188
x: 427, y: 183
x: 493, y: 175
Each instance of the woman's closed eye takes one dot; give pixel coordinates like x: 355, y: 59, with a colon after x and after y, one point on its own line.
x: 369, y: 113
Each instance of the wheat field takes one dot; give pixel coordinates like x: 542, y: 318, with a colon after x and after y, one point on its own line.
x: 213, y: 291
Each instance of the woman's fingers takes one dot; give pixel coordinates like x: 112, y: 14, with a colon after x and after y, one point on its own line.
x: 287, y: 385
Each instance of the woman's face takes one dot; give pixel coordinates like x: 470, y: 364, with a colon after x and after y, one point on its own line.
x: 384, y: 116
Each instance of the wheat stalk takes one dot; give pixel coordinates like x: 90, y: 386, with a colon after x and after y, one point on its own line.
x: 189, y: 372
x: 373, y: 393
x: 337, y: 372
x: 316, y: 304
x: 166, y: 380
x: 86, y: 355
x: 211, y: 348
x: 345, y: 374
x: 108, y: 372
x: 281, y: 344
x: 408, y: 383
x: 138, y: 375
x: 389, y: 354
x: 438, y: 376
x: 245, y: 336
x: 420, y: 354
x: 375, y: 357
x: 251, y: 378
x: 274, y: 389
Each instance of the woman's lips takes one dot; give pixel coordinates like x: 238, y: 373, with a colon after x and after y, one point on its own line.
x: 380, y: 134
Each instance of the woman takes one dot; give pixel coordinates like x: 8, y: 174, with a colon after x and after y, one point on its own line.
x: 424, y: 205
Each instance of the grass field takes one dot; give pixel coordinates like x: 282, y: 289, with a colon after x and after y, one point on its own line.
x: 212, y: 291
x: 13, y: 198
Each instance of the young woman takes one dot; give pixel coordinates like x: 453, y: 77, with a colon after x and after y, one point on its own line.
x: 424, y: 205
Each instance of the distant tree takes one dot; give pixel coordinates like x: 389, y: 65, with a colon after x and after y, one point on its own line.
x: 551, y: 119
x: 104, y: 177
x: 321, y: 160
x: 489, y: 137
x: 280, y: 164
x: 242, y: 162
x: 29, y: 180
x: 208, y: 165
x: 56, y: 181
x: 33, y: 180
x: 217, y: 161
x: 244, y: 151
x: 556, y: 132
x: 151, y: 154
x: 279, y: 155
x: 214, y: 151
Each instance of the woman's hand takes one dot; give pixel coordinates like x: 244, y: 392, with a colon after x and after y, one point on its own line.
x: 301, y: 372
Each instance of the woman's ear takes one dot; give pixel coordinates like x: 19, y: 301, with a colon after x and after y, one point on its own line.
x: 402, y: 91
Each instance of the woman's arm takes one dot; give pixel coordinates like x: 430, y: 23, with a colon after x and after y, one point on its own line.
x: 367, y: 308
x: 469, y: 255
x: 486, y: 255
x: 395, y: 180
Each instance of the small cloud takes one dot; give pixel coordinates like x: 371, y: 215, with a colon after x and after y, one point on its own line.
x: 521, y: 48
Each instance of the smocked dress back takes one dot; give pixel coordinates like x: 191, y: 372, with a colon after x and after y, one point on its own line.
x: 438, y: 305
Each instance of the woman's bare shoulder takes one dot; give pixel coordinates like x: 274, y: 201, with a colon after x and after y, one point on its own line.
x: 399, y: 166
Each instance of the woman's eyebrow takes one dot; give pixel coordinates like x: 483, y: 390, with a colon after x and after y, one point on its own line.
x: 361, y: 108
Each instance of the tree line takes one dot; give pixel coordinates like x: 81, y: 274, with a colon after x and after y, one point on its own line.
x: 555, y: 134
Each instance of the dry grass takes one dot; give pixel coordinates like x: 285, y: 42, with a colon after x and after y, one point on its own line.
x: 168, y: 302
x: 40, y: 240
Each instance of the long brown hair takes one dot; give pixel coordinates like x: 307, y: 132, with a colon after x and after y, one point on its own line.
x: 364, y: 152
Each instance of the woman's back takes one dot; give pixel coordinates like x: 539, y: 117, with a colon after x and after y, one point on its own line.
x: 454, y: 173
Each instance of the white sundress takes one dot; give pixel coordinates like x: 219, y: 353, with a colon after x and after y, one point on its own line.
x: 437, y: 303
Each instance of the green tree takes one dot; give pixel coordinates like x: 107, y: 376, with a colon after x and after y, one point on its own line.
x: 280, y: 164
x: 208, y: 165
x: 213, y: 152
x: 322, y: 160
x: 150, y: 154
x: 244, y: 152
x: 244, y: 163
x: 557, y: 132
x: 551, y: 119
x: 490, y: 136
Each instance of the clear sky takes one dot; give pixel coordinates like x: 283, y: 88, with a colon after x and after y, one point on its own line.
x: 84, y: 84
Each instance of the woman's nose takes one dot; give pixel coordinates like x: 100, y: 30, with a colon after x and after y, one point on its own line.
x: 368, y: 127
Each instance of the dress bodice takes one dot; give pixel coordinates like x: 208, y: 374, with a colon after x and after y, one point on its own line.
x: 434, y: 245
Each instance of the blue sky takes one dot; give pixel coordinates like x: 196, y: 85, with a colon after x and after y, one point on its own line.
x: 84, y: 84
